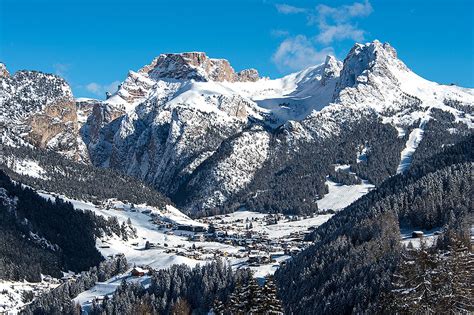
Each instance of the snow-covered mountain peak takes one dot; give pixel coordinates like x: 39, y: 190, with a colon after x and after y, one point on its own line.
x: 374, y: 59
x: 331, y: 63
x: 373, y: 76
x: 171, y: 74
x: 331, y: 69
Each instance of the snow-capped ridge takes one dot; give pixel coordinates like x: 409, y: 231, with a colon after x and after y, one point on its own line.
x: 373, y: 77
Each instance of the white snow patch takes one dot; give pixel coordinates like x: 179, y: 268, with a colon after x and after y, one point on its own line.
x: 107, y: 288
x: 340, y: 196
x: 429, y: 237
x: 12, y: 292
x: 27, y: 167
x: 412, y: 144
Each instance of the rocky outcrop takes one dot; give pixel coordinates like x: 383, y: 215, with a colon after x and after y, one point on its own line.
x: 3, y: 70
x: 248, y: 75
x: 38, y: 109
x: 57, y: 121
x: 196, y: 66
x: 369, y: 72
x: 229, y: 170
x: 135, y: 87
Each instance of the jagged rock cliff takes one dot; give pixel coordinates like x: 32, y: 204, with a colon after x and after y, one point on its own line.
x: 38, y: 109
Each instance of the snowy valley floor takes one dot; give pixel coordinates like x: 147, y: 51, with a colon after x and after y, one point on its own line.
x: 166, y: 236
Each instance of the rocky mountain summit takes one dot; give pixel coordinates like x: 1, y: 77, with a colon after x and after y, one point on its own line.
x: 175, y: 68
x: 196, y: 66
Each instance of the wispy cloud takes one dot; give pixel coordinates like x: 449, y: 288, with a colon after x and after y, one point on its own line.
x: 100, y: 90
x: 331, y: 33
x: 298, y: 52
x: 333, y: 24
x: 345, y: 12
x: 289, y: 9
x: 61, y: 69
x: 337, y: 23
x: 279, y: 33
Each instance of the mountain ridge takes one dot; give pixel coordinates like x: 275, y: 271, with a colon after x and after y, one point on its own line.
x: 186, y: 109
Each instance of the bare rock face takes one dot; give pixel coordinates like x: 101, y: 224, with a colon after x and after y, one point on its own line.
x: 38, y: 109
x: 100, y: 115
x: 135, y: 87
x: 196, y: 66
x: 3, y: 70
x: 248, y: 75
x: 58, y: 120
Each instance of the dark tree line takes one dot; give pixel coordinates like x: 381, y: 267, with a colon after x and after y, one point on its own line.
x: 213, y: 287
x: 176, y: 287
x: 41, y: 236
x: 356, y: 253
x: 251, y: 298
x: 436, y: 280
x: 440, y: 132
x: 344, y: 177
x: 80, y: 181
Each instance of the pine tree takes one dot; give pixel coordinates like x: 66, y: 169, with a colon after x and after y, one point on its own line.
x: 434, y: 280
x: 218, y: 307
x: 181, y: 307
x: 238, y: 300
x: 255, y: 298
x: 272, y: 304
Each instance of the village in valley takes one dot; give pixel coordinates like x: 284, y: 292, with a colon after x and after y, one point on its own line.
x: 159, y: 238
x: 243, y: 238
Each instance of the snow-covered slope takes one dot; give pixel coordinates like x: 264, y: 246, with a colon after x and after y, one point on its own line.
x: 374, y: 80
x: 180, y: 109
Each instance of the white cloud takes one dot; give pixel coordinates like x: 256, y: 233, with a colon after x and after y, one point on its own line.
x: 336, y: 23
x: 100, y: 90
x: 332, y: 23
x: 289, y: 9
x: 345, y: 12
x: 330, y: 33
x: 94, y: 88
x: 296, y: 53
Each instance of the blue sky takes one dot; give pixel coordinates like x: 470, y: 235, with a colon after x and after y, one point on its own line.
x: 94, y: 43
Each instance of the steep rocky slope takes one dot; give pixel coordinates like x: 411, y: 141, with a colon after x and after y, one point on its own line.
x: 38, y: 109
